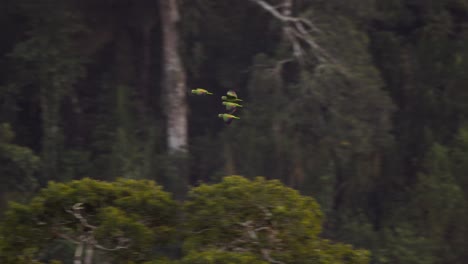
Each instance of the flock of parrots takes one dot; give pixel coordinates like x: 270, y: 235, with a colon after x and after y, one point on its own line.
x: 230, y: 101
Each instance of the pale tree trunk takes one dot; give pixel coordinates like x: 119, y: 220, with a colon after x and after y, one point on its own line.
x: 174, y: 88
x: 89, y: 253
x: 78, y: 253
x: 287, y: 11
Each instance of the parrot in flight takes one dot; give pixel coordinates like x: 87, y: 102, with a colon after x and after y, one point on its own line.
x: 231, y: 96
x: 232, y: 93
x: 200, y: 91
x: 230, y: 106
x: 227, y: 118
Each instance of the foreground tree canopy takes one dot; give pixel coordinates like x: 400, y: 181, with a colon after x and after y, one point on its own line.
x: 235, y: 221
x: 123, y: 219
x: 263, y: 218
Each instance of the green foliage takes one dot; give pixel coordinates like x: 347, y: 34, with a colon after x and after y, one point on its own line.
x: 437, y: 196
x: 19, y: 166
x: 136, y: 210
x: 221, y: 257
x: 48, y: 58
x: 17, y: 161
x: 402, y: 245
x: 459, y: 158
x: 263, y: 217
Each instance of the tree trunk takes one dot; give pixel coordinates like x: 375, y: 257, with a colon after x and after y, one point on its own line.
x: 174, y: 78
x: 78, y: 254
x: 89, y: 254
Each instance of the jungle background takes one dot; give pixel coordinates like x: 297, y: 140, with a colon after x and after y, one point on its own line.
x: 360, y: 104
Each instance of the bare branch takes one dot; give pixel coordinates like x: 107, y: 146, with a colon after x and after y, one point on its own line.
x: 306, y: 37
x: 201, y: 231
x: 77, y: 214
x: 316, y: 49
x: 273, y: 11
x: 297, y: 30
x: 123, y: 243
x: 267, y: 257
x: 262, y: 228
x: 279, y: 66
x: 110, y: 249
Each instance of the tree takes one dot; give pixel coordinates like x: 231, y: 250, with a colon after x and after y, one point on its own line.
x: 174, y: 86
x: 123, y: 220
x: 263, y: 218
x: 19, y: 166
x: 49, y: 58
x: 214, y: 257
x: 321, y: 88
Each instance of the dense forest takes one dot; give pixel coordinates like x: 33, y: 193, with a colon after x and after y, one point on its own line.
x: 361, y: 106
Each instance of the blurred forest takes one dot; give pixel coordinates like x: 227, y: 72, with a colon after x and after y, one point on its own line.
x: 360, y: 104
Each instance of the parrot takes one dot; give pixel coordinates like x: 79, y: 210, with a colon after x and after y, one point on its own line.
x: 227, y: 118
x: 231, y: 96
x: 227, y: 99
x: 231, y: 93
x: 200, y: 91
x: 231, y: 106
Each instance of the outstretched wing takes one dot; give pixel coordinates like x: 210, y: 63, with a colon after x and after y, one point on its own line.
x: 232, y: 93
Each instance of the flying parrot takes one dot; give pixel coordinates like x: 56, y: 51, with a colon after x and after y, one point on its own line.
x: 227, y: 118
x: 231, y: 96
x: 227, y: 99
x: 231, y: 93
x: 231, y: 106
x: 200, y: 91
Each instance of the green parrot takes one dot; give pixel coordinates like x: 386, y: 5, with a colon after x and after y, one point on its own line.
x: 227, y: 99
x: 231, y: 93
x: 231, y: 96
x: 200, y: 91
x: 228, y: 118
x: 231, y: 106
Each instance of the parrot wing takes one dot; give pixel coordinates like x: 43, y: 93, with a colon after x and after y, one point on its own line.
x: 232, y: 93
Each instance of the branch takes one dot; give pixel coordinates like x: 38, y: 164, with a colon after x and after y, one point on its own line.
x: 273, y: 11
x: 321, y: 55
x: 77, y: 214
x: 123, y: 243
x: 267, y: 257
x: 110, y: 249
x: 276, y: 70
x: 201, y: 231
x: 299, y: 31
